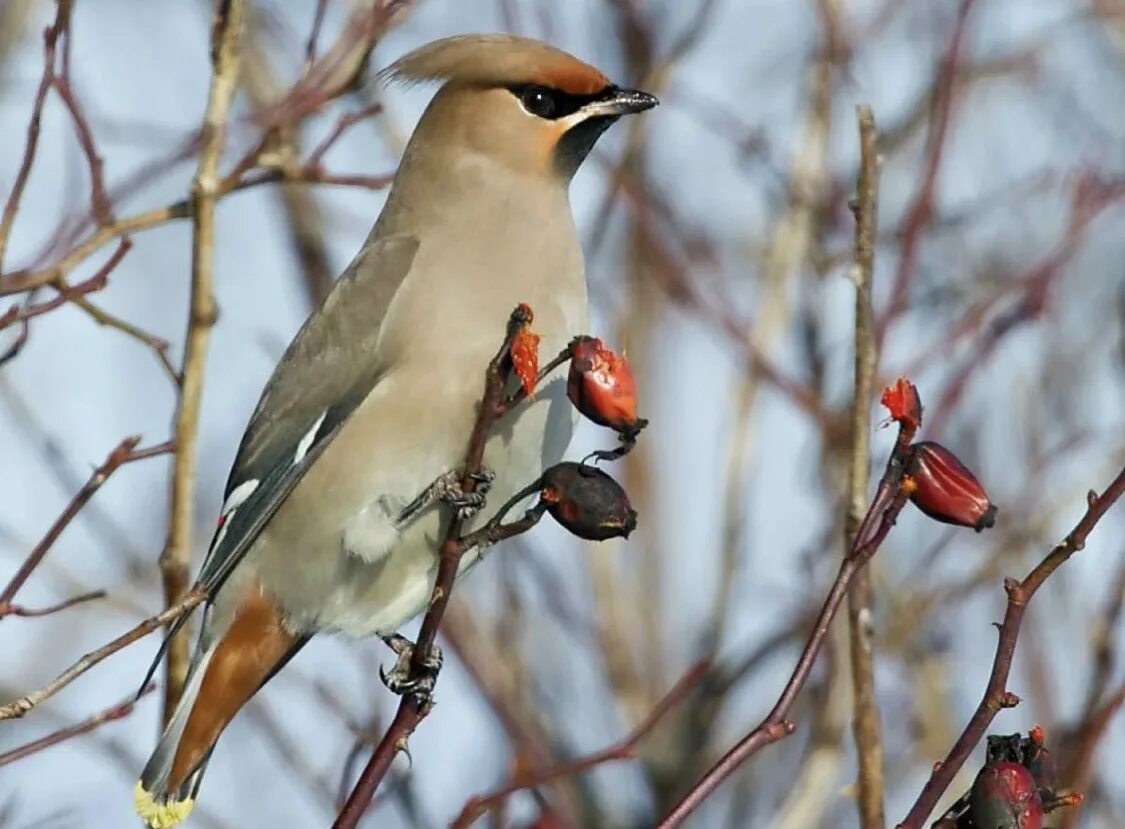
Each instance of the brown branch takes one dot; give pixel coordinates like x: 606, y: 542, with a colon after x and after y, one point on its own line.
x: 50, y: 39
x: 412, y: 708
x: 865, y: 724
x: 25, y: 280
x: 123, y: 453
x: 100, y: 207
x: 881, y: 515
x: 16, y: 709
x: 114, y: 712
x: 626, y: 749
x: 68, y: 293
x: 176, y: 558
x: 996, y: 695
x: 33, y: 613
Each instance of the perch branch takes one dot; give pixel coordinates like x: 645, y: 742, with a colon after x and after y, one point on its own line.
x: 412, y: 709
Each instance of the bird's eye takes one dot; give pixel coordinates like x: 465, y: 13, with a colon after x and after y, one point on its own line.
x: 538, y: 100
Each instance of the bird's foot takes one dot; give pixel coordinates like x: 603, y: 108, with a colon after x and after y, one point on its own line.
x: 399, y: 679
x: 447, y: 489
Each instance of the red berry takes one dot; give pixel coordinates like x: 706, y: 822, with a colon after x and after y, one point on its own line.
x: 1004, y: 796
x: 943, y: 488
x: 601, y: 385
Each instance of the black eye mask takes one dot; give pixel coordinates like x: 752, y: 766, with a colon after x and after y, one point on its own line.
x: 551, y: 104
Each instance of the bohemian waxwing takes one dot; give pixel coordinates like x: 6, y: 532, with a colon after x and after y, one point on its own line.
x: 375, y: 397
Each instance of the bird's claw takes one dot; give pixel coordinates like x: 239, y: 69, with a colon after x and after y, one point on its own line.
x: 447, y: 489
x: 465, y: 504
x: 400, y: 679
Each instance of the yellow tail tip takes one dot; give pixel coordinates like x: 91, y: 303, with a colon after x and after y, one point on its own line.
x: 160, y: 815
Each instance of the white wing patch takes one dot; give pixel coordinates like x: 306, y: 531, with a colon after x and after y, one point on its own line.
x: 236, y: 499
x: 307, y: 441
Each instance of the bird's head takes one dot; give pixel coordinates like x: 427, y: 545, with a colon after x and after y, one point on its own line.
x: 527, y: 105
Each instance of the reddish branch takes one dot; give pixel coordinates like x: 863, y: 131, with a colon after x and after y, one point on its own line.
x: 624, y: 750
x: 51, y: 39
x: 881, y: 516
x: 125, y: 452
x: 996, y: 695
x: 69, y: 293
x: 114, y: 712
x: 413, y: 708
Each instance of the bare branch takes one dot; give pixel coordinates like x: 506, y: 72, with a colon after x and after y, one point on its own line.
x: 869, y: 745
x: 33, y: 613
x: 996, y: 695
x: 16, y: 709
x: 123, y: 453
x: 881, y: 515
x: 412, y: 709
x: 176, y: 558
x: 114, y: 712
x: 624, y: 750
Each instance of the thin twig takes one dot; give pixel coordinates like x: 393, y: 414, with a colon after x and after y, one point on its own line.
x: 413, y: 708
x: 50, y: 40
x: 624, y: 750
x: 123, y: 453
x: 865, y: 724
x: 70, y: 292
x: 25, y: 280
x: 16, y: 709
x: 114, y: 712
x: 881, y: 515
x: 34, y: 613
x: 996, y: 695
x: 176, y: 558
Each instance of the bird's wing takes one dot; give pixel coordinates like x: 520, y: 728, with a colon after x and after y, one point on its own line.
x: 327, y: 371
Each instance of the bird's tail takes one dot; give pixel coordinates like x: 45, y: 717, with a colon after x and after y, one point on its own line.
x: 161, y: 801
x: 224, y: 673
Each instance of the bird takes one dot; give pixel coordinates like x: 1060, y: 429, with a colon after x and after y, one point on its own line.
x: 376, y: 395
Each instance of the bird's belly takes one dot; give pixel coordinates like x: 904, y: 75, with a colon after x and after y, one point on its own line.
x: 322, y: 585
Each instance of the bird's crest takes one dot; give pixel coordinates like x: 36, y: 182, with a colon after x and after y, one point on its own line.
x: 496, y: 60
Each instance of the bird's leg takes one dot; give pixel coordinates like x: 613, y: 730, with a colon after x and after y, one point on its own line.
x: 398, y: 680
x: 447, y: 489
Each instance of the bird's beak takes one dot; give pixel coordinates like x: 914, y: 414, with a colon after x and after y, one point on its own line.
x: 615, y: 101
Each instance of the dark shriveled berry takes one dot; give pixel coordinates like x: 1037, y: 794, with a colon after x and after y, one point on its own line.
x: 587, y: 502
